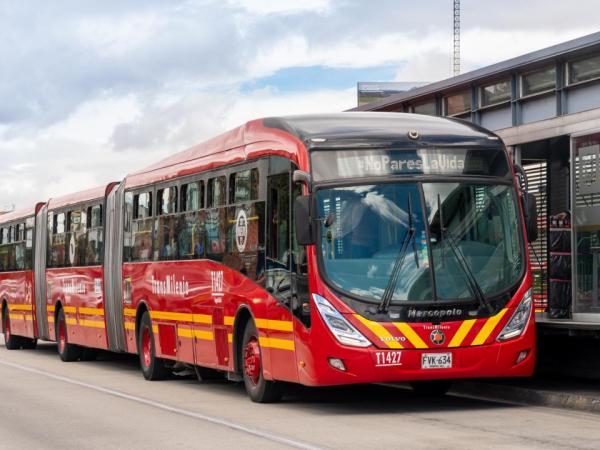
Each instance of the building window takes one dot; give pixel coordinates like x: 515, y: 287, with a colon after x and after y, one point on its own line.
x: 584, y: 70
x: 496, y: 93
x: 543, y: 80
x: 425, y: 108
x: 458, y: 103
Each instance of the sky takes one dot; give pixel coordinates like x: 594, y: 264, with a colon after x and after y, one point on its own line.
x: 91, y: 91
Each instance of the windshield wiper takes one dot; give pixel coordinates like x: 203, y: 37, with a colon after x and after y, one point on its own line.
x: 462, y: 261
x: 409, y: 238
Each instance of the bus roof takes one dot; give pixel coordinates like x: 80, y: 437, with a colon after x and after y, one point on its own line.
x: 289, y: 134
x: 20, y: 213
x: 95, y: 193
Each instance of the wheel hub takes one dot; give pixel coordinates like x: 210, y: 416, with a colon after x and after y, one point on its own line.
x: 252, y: 361
x: 146, y: 349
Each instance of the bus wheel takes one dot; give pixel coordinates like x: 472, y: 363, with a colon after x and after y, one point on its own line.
x: 431, y: 388
x: 259, y: 390
x: 29, y: 344
x: 67, y: 352
x: 11, y: 341
x: 152, y: 367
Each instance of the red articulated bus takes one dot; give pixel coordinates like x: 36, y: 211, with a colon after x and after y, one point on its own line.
x: 320, y: 250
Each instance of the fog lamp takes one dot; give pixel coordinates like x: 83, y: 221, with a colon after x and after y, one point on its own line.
x: 337, y: 363
x: 522, y: 356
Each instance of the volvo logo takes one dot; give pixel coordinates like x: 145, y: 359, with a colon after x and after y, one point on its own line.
x: 437, y: 337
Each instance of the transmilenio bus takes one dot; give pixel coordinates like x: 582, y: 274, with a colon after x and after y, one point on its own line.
x: 321, y: 250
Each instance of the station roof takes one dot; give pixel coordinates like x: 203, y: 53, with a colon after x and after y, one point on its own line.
x: 582, y: 45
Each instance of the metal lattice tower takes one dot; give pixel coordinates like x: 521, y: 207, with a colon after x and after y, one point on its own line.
x: 456, y: 61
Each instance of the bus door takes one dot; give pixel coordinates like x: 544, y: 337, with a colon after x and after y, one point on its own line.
x: 585, y: 201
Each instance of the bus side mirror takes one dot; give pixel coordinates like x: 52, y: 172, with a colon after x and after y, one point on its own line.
x: 531, y: 216
x: 302, y: 220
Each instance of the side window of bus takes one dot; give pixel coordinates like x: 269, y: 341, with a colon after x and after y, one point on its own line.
x: 245, y: 225
x: 76, y: 238
x: 19, y: 247
x: 190, y: 228
x: 95, y: 234
x: 50, y: 233
x: 57, y: 246
x: 215, y: 218
x: 142, y: 227
x: 127, y: 227
x: 166, y: 231
x: 29, y: 227
x: 3, y: 250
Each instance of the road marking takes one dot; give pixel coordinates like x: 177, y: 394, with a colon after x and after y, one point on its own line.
x: 214, y: 420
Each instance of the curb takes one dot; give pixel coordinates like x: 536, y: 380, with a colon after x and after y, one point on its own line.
x: 527, y: 396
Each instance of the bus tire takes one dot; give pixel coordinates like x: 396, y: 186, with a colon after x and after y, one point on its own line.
x: 431, y: 388
x: 152, y: 367
x: 67, y: 352
x: 258, y: 388
x: 29, y: 344
x: 11, y: 341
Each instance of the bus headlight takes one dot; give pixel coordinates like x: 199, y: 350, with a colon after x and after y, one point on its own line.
x: 517, y: 323
x: 343, y: 330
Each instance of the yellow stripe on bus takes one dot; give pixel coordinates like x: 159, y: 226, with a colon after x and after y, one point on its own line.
x: 181, y: 317
x: 489, y: 326
x: 20, y: 308
x: 130, y: 325
x: 380, y: 332
x: 279, y: 325
x: 282, y: 344
x: 91, y: 311
x: 129, y: 312
x: 202, y: 318
x: 91, y: 323
x: 50, y: 319
x: 229, y: 338
x: 410, y: 334
x: 50, y: 308
x: 71, y: 321
x: 69, y: 309
x: 462, y: 332
x: 228, y: 320
x: 199, y: 334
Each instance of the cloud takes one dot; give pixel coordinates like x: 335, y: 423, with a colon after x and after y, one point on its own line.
x: 90, y: 91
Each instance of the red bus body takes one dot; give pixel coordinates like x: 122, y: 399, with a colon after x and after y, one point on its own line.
x: 199, y: 307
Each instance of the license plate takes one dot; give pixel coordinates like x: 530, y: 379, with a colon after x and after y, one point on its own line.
x: 436, y: 360
x: 390, y: 358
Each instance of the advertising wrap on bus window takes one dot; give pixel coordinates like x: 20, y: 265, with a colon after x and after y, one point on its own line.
x: 329, y: 165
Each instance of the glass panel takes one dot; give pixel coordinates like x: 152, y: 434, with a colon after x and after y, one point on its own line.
x: 458, y: 103
x: 479, y: 224
x: 538, y: 81
x: 330, y: 165
x: 495, y: 93
x: 216, y: 192
x: 191, y: 196
x: 586, y: 223
x: 244, y: 186
x: 362, y: 233
x: 167, y: 200
x: 425, y: 108
x: 586, y: 69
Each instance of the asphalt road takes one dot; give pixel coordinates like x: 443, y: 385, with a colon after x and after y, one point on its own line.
x: 45, y: 403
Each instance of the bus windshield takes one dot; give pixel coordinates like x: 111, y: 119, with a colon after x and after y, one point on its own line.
x: 464, y: 235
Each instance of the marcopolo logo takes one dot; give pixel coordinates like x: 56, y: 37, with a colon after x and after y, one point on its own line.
x: 437, y: 314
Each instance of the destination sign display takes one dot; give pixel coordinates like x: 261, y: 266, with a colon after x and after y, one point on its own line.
x: 330, y: 165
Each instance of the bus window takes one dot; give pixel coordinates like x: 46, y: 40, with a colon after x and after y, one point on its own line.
x: 243, y: 186
x: 166, y: 234
x: 94, y: 242
x: 216, y: 192
x: 29, y: 226
x: 57, y: 245
x: 278, y: 237
x: 192, y: 196
x: 142, y: 227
